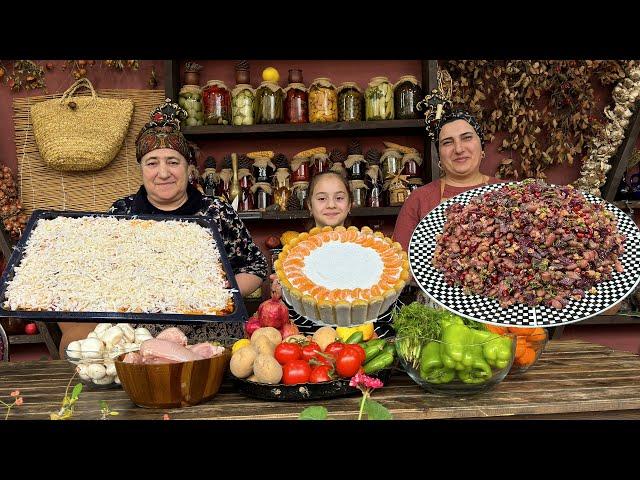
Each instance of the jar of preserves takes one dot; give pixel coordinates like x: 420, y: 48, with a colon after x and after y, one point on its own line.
x: 216, y: 103
x: 319, y: 163
x: 379, y: 99
x: 245, y: 202
x: 301, y: 191
x: 412, y: 165
x: 282, y: 190
x: 406, y: 95
x: 242, y: 104
x: 358, y: 193
x: 190, y: 98
x: 391, y: 163
x: 223, y: 187
x: 262, y: 192
x: 355, y: 165
x: 349, y: 102
x: 373, y: 180
x: 296, y: 109
x: 323, y: 101
x: 414, y: 184
x: 263, y: 169
x: 269, y: 103
x: 300, y: 169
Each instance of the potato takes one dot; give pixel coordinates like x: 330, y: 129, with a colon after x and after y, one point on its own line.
x: 272, y: 334
x: 242, y: 361
x: 264, y: 345
x: 252, y: 378
x: 267, y: 369
x: 324, y: 336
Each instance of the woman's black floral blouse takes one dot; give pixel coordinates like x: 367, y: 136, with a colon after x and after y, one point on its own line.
x: 243, y: 254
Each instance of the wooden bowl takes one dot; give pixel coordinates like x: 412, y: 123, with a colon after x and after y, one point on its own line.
x: 172, y: 385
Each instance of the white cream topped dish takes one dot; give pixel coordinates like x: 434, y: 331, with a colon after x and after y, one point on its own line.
x: 342, y: 276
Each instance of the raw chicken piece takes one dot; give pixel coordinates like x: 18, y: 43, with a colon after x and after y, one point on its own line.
x: 151, y: 360
x: 173, y: 334
x: 205, y: 350
x: 132, y: 357
x: 155, y: 347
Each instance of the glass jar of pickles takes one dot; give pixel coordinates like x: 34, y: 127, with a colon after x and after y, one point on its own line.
x: 282, y: 189
x: 406, y: 95
x: 323, y: 101
x: 296, y: 109
x: 379, y: 99
x: 391, y: 163
x: 358, y: 193
x: 190, y: 98
x: 216, y: 103
x: 269, y: 103
x: 349, y: 102
x: 242, y: 104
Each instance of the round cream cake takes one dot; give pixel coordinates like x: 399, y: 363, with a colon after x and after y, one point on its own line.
x: 342, y: 276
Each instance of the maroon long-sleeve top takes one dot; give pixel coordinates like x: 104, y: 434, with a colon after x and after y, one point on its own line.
x: 422, y: 201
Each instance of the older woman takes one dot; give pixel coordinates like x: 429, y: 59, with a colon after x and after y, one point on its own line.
x: 461, y: 150
x: 165, y: 157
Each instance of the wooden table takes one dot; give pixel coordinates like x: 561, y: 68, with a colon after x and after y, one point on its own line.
x: 572, y: 379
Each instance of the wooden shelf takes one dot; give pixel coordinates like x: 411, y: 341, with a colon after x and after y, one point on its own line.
x: 296, y: 214
x: 380, y: 127
x: 21, y: 339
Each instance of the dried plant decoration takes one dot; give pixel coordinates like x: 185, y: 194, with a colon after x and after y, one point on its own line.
x: 544, y: 108
x: 26, y: 75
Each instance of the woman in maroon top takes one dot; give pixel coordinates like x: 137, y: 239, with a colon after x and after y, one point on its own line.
x: 461, y: 150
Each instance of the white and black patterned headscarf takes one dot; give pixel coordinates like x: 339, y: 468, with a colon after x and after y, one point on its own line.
x: 459, y: 114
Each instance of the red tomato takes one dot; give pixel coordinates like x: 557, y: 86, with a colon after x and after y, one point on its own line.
x: 30, y: 329
x: 323, y: 359
x: 348, y: 362
x: 287, y: 352
x: 310, y: 351
x: 297, y: 371
x: 334, y: 348
x: 359, y: 350
x: 321, y: 373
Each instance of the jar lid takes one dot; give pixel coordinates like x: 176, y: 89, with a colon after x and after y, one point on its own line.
x: 407, y: 78
x: 375, y: 81
x: 344, y: 85
x: 274, y: 87
x: 190, y: 89
x: 323, y: 82
x: 241, y: 86
x: 219, y: 83
x: 297, y: 86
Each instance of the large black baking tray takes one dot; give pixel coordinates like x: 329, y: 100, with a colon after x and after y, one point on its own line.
x: 239, y: 313
x: 304, y: 391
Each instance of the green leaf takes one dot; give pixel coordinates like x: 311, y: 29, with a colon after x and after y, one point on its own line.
x: 376, y: 411
x: 103, y: 405
x: 76, y: 391
x: 314, y: 413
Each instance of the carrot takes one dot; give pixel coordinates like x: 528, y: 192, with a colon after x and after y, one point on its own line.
x: 524, y: 331
x: 498, y: 330
x: 521, y: 347
x: 527, y: 358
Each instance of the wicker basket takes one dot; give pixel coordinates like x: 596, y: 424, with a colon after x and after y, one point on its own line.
x: 80, y: 133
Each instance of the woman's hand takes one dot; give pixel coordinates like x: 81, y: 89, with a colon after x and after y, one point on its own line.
x: 248, y: 283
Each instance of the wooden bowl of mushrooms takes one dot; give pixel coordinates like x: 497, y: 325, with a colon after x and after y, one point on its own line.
x: 168, y: 373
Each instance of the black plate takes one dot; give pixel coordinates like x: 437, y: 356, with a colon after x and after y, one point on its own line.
x: 239, y: 313
x: 304, y: 391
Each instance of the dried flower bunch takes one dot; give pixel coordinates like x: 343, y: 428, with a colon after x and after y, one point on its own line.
x: 26, y: 75
x: 13, y: 220
x: 546, y: 108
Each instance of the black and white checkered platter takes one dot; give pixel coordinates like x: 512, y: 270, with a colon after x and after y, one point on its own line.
x: 488, y: 310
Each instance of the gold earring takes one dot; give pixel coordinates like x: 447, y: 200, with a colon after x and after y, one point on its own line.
x: 439, y: 165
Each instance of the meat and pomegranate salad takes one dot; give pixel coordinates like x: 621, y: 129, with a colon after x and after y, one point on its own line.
x: 529, y: 243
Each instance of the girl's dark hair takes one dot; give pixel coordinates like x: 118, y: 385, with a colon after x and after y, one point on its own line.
x: 312, y: 186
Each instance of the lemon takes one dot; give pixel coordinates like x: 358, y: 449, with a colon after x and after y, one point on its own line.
x: 367, y: 331
x: 270, y: 74
x: 240, y: 344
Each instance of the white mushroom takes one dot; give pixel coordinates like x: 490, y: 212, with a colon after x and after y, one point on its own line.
x: 106, y: 380
x: 92, y: 348
x: 110, y: 368
x: 129, y: 332
x: 117, y: 380
x: 112, y: 337
x: 142, y: 334
x: 101, y: 328
x: 74, y: 349
x: 96, y: 371
x: 82, y: 371
x: 92, y: 335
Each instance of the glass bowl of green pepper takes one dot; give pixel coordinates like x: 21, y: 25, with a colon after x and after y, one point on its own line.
x: 461, y: 361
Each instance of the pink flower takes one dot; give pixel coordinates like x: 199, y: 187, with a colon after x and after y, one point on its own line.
x: 15, y: 393
x: 19, y: 401
x: 361, y: 380
x: 166, y: 417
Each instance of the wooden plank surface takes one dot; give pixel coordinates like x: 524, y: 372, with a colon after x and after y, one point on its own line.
x: 572, y: 379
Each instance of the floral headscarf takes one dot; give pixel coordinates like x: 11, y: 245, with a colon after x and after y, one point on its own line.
x: 163, y: 131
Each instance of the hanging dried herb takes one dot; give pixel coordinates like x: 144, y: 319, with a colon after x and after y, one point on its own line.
x: 26, y: 75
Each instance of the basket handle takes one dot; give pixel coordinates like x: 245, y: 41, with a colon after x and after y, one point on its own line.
x: 83, y: 82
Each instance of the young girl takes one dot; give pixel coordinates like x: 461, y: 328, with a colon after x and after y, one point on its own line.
x: 329, y: 203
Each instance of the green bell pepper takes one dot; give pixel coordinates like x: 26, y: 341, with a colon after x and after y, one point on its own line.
x: 456, y: 338
x: 431, y: 367
x: 498, y: 350
x: 480, y: 370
